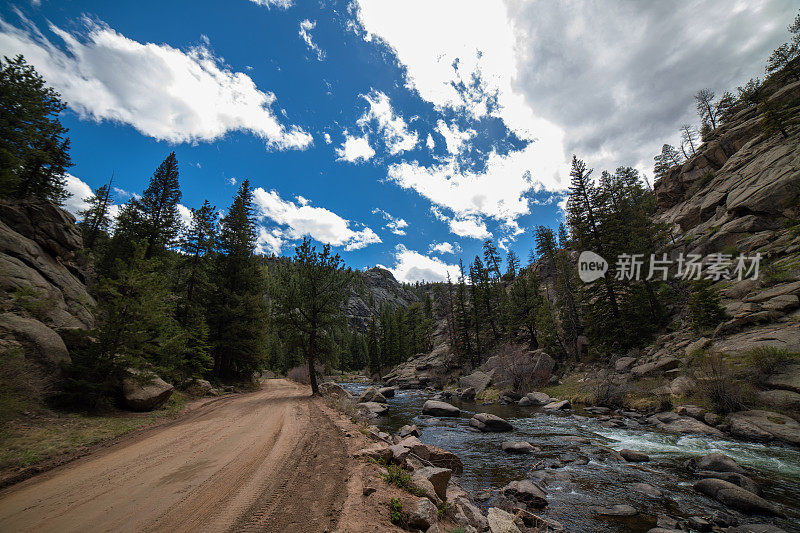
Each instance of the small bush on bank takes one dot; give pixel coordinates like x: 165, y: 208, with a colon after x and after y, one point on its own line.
x: 401, y: 478
x: 765, y: 361
x: 719, y: 384
x: 299, y: 374
x: 705, y: 311
x: 396, y: 512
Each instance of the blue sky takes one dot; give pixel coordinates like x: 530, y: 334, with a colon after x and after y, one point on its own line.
x: 403, y: 133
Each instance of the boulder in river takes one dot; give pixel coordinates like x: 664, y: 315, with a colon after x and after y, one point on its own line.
x: 144, y: 391
x: 525, y: 491
x: 556, y: 405
x: 765, y: 425
x: 468, y: 393
x: 374, y: 408
x: 489, y: 422
x: 432, y: 454
x: 616, y: 510
x: 437, y: 408
x: 387, y: 392
x: 633, y: 456
x: 535, y: 399
x: 371, y: 395
x: 675, y: 423
x: 511, y: 446
x: 648, y: 489
x: 409, y: 431
x: 717, y: 462
x: 736, y: 497
x: 732, y: 477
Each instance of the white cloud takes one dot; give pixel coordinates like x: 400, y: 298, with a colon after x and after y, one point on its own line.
x: 269, y: 242
x: 327, y: 137
x: 185, y: 214
x: 280, y: 4
x: 469, y: 226
x: 231, y: 181
x: 393, y: 127
x: 79, y: 190
x: 355, y: 148
x: 454, y: 138
x: 302, y: 200
x: 305, y: 220
x: 163, y: 92
x: 444, y: 248
x: 411, y: 266
x: 305, y: 33
x: 395, y: 225
x: 431, y: 144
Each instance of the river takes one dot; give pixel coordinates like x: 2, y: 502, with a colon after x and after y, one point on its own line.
x: 601, y: 481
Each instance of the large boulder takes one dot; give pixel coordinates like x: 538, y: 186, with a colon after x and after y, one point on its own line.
x: 438, y: 477
x: 736, y: 497
x: 655, y: 367
x: 558, y: 405
x: 489, y: 422
x: 523, y: 447
x: 477, y: 380
x: 765, y: 425
x: 535, y: 399
x: 501, y: 522
x: 471, y: 514
x: 423, y: 515
x: 633, y: 456
x: 437, y: 408
x: 374, y: 408
x: 675, y: 423
x: 732, y: 477
x: 786, y: 379
x: 718, y: 462
x: 329, y: 388
x: 525, y: 491
x: 371, y: 395
x: 435, y: 456
x: 387, y: 392
x: 37, y: 340
x: 783, y: 400
x: 144, y: 391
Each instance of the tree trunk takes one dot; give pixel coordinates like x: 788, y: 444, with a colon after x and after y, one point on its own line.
x: 312, y: 376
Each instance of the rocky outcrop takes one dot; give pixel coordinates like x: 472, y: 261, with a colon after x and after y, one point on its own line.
x: 488, y: 422
x: 35, y: 339
x: 40, y: 273
x: 371, y: 290
x: 144, y: 391
x: 765, y: 425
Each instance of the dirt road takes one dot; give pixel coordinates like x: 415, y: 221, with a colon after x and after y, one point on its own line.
x: 265, y: 461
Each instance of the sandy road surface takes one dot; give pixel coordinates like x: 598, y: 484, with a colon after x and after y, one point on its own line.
x: 265, y: 461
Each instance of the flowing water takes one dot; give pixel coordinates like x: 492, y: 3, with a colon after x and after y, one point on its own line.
x: 602, y: 481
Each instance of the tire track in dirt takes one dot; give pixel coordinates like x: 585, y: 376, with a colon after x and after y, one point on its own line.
x: 268, y: 461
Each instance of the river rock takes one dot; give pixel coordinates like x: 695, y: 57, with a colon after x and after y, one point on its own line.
x: 624, y: 363
x: 477, y: 380
x: 437, y: 408
x: 718, y: 462
x: 374, y: 408
x: 736, y: 497
x: 371, y: 395
x: 436, y: 456
x: 682, y: 386
x: 438, y: 477
x: 674, y: 423
x: 144, y: 391
x: 501, y: 522
x: 698, y: 523
x: 655, y: 367
x: 765, y: 425
x: 409, y: 431
x: 732, y: 477
x: 691, y: 410
x: 379, y: 452
x: 633, y: 456
x: 489, y: 422
x: 399, y: 453
x: 525, y: 491
x: 535, y: 399
x: 783, y: 400
x: 787, y: 379
x: 468, y: 393
x: 471, y: 513
x: 387, y: 392
x: 647, y: 488
x: 756, y: 528
x: 558, y: 405
x: 511, y: 446
x: 423, y: 515
x: 616, y: 510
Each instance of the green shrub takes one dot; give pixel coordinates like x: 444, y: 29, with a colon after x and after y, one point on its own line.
x: 765, y: 361
x: 705, y: 311
x: 401, y: 478
x: 396, y: 511
x: 718, y: 383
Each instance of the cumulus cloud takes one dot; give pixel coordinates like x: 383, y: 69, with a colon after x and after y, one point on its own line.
x: 454, y: 138
x: 430, y: 143
x: 186, y: 215
x: 306, y: 27
x: 393, y: 127
x: 165, y: 93
x: 354, y: 149
x: 303, y: 220
x: 79, y: 190
x: 231, y: 181
x: 444, y: 248
x: 327, y: 137
x: 469, y: 226
x: 411, y: 266
x: 280, y: 4
x: 395, y: 225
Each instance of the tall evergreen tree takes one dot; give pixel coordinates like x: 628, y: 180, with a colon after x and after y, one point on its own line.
x: 34, y: 154
x: 95, y: 218
x: 238, y: 312
x: 310, y: 299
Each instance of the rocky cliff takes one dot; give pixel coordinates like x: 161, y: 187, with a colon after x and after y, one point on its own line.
x: 43, y: 280
x: 373, y: 289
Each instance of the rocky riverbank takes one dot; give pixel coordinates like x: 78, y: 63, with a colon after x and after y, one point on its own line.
x: 590, y: 470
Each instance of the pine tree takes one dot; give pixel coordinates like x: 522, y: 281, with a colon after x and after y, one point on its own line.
x: 668, y: 158
x: 238, y: 312
x: 95, y: 218
x: 706, y: 107
x: 34, y: 154
x: 512, y: 265
x: 688, y: 137
x: 154, y: 217
x: 309, y: 301
x: 785, y: 56
x: 463, y: 316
